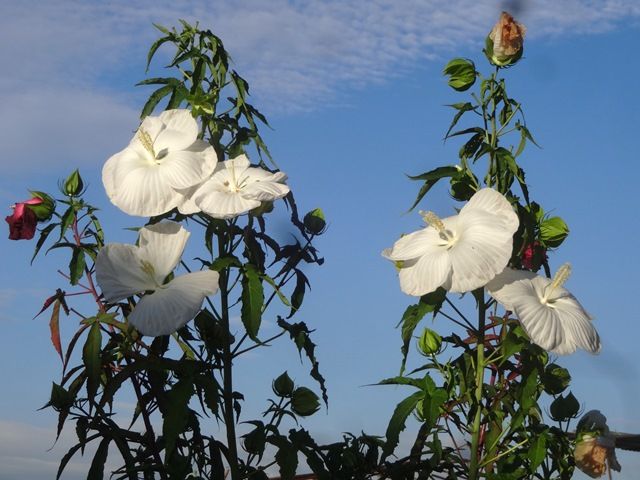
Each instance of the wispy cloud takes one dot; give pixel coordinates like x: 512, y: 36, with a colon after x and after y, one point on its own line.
x: 73, y: 63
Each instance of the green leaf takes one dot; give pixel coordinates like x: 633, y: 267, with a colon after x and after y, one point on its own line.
x: 429, y: 406
x: 76, y: 266
x: 431, y: 178
x: 155, y: 46
x: 60, y: 398
x: 176, y: 413
x: 553, y: 232
x: 91, y: 359
x: 461, y: 72
x: 398, y: 421
x: 462, y: 109
x: 210, y: 389
x: 286, y: 457
x: 412, y: 316
x: 96, y: 471
x: 252, y: 301
x: 43, y: 238
x: 274, y: 285
x: 537, y: 451
x: 67, y: 219
x: 154, y: 99
x: 297, y: 297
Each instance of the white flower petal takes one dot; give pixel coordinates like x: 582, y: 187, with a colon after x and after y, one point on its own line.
x: 162, y: 245
x: 265, y: 191
x: 169, y: 140
x: 491, y: 201
x: 168, y: 309
x: 481, y: 252
x: 183, y: 169
x: 509, y: 285
x: 559, y: 324
x: 119, y: 273
x: 425, y: 274
x: 542, y: 324
x: 224, y: 204
x: 422, y: 242
x: 240, y: 163
x: 180, y: 119
x: 144, y: 192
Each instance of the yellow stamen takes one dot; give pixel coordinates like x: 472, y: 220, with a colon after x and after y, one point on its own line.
x: 146, y: 141
x: 433, y: 220
x: 559, y: 279
x: 148, y: 268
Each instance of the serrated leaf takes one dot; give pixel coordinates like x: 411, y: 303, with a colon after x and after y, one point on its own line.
x: 176, y: 415
x: 154, y: 99
x: 54, y: 328
x: 398, y: 422
x: 462, y: 109
x: 537, y: 451
x: 44, y: 233
x: 252, y: 301
x: 96, y: 471
x: 412, y: 316
x: 76, y: 265
x: 91, y: 359
x: 154, y: 47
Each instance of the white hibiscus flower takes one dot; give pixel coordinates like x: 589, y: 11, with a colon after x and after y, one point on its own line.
x: 165, y: 158
x: 551, y: 316
x: 459, y: 253
x: 124, y: 270
x: 236, y: 187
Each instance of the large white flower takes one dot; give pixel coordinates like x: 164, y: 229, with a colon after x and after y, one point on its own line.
x: 164, y: 159
x: 124, y: 270
x: 236, y: 187
x: 459, y: 253
x: 551, y: 316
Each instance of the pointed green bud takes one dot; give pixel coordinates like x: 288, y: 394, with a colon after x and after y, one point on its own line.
x: 429, y: 342
x: 283, y: 385
x: 73, y: 185
x: 315, y: 222
x: 43, y: 210
x: 304, y: 402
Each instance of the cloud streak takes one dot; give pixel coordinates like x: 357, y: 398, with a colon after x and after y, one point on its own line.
x: 76, y: 59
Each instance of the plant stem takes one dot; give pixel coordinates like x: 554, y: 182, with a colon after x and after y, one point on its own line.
x: 227, y: 368
x: 476, y: 448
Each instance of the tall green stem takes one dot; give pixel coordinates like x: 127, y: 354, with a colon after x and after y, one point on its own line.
x: 476, y: 448
x: 229, y: 420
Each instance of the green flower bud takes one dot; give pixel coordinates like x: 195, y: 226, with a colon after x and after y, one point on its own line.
x: 314, y: 222
x: 73, y: 185
x: 43, y: 210
x: 283, y: 385
x: 304, y: 402
x: 461, y: 72
x: 429, y: 342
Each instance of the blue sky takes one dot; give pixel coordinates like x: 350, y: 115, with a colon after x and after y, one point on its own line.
x: 355, y: 95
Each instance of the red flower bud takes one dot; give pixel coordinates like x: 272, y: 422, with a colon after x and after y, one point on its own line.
x: 533, y: 256
x: 22, y: 224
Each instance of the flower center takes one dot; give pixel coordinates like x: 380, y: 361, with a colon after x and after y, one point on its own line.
x: 146, y: 141
x: 559, y: 279
x: 149, y: 269
x: 434, y: 221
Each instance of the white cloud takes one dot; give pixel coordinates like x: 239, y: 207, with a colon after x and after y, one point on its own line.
x: 73, y: 62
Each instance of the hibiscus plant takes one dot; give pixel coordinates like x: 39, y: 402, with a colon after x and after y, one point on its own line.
x: 488, y: 399
x: 162, y: 329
